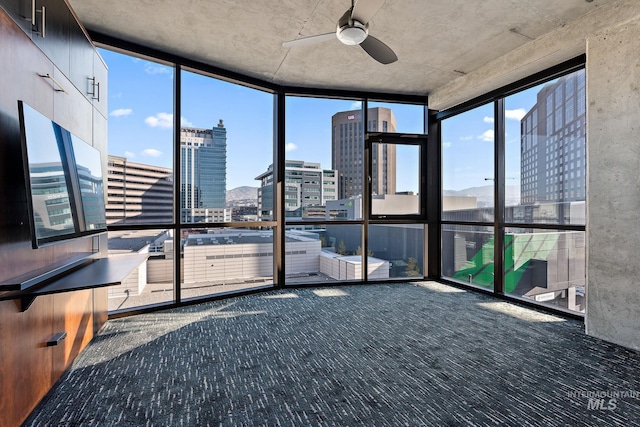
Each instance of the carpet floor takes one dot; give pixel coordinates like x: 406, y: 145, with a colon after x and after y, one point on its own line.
x: 414, y: 354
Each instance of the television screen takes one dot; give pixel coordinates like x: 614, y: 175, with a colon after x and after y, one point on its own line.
x: 63, y: 174
x: 89, y: 170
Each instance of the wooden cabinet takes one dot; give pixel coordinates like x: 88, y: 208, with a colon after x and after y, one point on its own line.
x: 66, y: 44
x: 73, y: 316
x: 29, y: 366
x: 26, y: 368
x: 33, y: 69
x: 51, y: 32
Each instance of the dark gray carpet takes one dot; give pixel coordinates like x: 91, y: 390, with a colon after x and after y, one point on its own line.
x: 376, y: 355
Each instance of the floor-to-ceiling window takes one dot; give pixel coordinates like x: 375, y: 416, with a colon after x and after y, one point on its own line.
x: 140, y: 176
x: 545, y: 152
x: 207, y: 195
x: 537, y: 138
x: 226, y: 147
x: 468, y: 197
x: 323, y: 189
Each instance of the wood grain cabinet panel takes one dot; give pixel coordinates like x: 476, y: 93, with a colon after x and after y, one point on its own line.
x: 26, y: 368
x: 73, y: 315
x: 29, y: 367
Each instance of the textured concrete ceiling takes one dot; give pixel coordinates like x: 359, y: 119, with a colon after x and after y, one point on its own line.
x: 436, y: 40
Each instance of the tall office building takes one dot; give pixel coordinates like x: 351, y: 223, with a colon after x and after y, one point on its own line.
x: 347, y: 152
x: 138, y: 193
x: 308, y: 187
x: 203, y: 172
x: 553, y: 141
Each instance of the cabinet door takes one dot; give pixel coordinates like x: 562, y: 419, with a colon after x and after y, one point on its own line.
x: 100, y: 73
x: 20, y: 66
x: 51, y: 34
x: 25, y: 371
x: 73, y: 314
x: 81, y: 53
x: 20, y: 11
x: 72, y: 110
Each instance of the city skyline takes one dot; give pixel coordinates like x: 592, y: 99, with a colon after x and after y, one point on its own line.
x: 141, y: 123
x: 141, y: 119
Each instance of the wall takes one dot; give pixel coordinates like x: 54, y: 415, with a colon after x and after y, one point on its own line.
x: 613, y: 207
x: 28, y: 367
x: 610, y: 37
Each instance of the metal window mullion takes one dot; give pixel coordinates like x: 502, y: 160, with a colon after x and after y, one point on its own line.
x: 278, y: 189
x: 499, y: 196
x: 177, y: 185
x: 366, y: 190
x: 433, y: 190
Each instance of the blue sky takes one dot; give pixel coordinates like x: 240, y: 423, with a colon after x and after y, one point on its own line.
x: 467, y: 143
x: 141, y: 117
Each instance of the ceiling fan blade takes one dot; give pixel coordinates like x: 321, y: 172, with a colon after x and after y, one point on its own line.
x: 364, y: 10
x: 305, y: 41
x: 378, y: 50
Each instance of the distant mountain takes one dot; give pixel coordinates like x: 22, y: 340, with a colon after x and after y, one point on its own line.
x: 242, y: 195
x: 484, y: 194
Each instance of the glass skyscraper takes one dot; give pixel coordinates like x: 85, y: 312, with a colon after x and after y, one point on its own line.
x: 203, y: 171
x: 553, y: 145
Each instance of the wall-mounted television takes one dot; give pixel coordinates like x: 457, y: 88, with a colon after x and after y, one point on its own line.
x: 64, y: 179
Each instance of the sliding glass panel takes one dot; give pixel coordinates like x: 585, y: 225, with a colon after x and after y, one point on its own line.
x: 226, y: 147
x: 221, y: 260
x: 324, y: 159
x: 140, y: 163
x: 315, y: 254
x: 546, y: 266
x: 468, y: 166
x: 152, y: 282
x: 546, y: 152
x: 468, y: 254
x: 396, y: 251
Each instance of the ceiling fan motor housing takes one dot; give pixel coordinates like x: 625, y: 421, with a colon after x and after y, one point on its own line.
x: 350, y: 31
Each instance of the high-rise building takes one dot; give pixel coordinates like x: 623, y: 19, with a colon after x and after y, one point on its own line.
x: 203, y: 171
x: 308, y: 187
x: 347, y: 152
x: 553, y: 143
x: 138, y: 193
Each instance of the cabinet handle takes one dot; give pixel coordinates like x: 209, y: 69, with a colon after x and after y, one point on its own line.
x: 95, y: 93
x: 43, y: 12
x: 56, y: 339
x: 48, y: 76
x: 33, y: 12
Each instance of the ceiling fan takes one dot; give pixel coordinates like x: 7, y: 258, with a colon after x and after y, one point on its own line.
x: 353, y: 29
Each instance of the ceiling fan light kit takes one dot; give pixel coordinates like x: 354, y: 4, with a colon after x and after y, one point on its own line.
x: 353, y: 33
x: 353, y: 29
